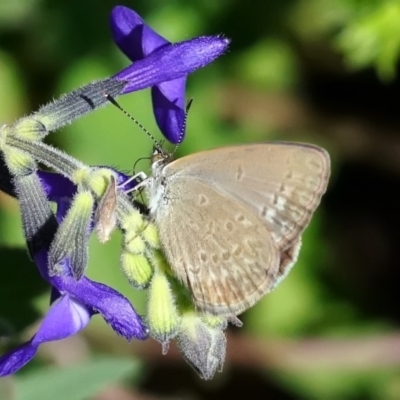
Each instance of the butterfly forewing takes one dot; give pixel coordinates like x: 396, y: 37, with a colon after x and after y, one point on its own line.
x: 230, y: 219
x: 282, y: 183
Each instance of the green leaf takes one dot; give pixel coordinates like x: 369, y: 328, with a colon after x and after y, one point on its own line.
x: 269, y: 64
x: 77, y: 382
x: 373, y: 39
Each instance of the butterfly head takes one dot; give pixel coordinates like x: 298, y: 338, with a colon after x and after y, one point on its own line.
x: 160, y: 158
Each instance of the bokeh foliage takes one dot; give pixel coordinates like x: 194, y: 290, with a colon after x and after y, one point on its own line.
x: 49, y: 47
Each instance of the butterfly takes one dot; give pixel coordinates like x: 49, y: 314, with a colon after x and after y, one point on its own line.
x: 230, y: 220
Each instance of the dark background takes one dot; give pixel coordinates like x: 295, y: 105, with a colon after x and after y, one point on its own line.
x: 317, y: 71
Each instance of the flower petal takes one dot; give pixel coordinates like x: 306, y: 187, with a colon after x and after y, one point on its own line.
x: 171, y: 62
x: 63, y: 205
x: 116, y: 310
x: 161, y: 65
x: 169, y: 108
x: 17, y: 358
x: 65, y: 318
x: 135, y: 39
x: 113, y: 306
x: 56, y: 185
x: 54, y: 295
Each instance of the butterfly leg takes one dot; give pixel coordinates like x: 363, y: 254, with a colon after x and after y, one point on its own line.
x: 141, y: 177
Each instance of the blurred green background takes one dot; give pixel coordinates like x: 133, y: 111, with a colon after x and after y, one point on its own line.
x: 320, y: 71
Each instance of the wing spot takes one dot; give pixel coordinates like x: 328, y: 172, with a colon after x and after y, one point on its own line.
x: 203, y: 256
x: 243, y: 220
x: 215, y: 258
x: 239, y: 173
x: 252, y: 248
x: 269, y: 214
x: 194, y: 270
x: 286, y: 190
x: 237, y: 252
x: 226, y: 256
x: 289, y: 175
x: 210, y: 229
x: 279, y: 202
x: 229, y: 226
x: 203, y: 200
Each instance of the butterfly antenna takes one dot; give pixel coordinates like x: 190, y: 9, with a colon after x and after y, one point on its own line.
x: 116, y: 104
x: 188, y: 105
x: 136, y: 162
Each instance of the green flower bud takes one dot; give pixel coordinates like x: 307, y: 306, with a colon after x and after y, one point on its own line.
x: 137, y: 269
x: 162, y: 315
x: 203, y: 344
x: 72, y: 237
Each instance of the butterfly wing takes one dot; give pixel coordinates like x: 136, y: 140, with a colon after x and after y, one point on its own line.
x: 230, y: 219
x: 217, y: 248
x: 282, y: 183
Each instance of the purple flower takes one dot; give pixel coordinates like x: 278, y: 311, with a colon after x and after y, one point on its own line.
x: 157, y: 64
x: 73, y: 302
x: 156, y: 60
